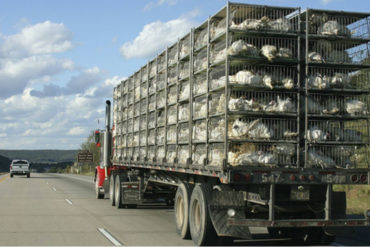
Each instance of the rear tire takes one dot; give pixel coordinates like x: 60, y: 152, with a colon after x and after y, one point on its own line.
x: 201, y: 227
x: 111, y: 189
x: 11, y: 175
x: 28, y: 175
x: 118, y: 192
x: 182, y: 202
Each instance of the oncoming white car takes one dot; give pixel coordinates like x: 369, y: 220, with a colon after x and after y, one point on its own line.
x: 20, y: 167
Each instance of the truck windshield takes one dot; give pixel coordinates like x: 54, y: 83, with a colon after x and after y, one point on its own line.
x: 20, y: 162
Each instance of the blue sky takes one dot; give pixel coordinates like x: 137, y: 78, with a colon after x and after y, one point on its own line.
x: 59, y: 60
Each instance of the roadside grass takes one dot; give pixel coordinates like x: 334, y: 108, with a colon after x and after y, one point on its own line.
x: 358, y: 197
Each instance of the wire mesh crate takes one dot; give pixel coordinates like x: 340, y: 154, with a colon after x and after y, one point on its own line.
x: 336, y: 23
x: 199, y: 155
x: 267, y: 129
x: 171, y: 134
x: 338, y: 105
x: 130, y: 125
x: 172, y: 55
x: 257, y: 154
x: 151, y: 105
x: 338, y: 52
x: 152, y: 86
x: 184, y: 112
x: 160, y: 154
x: 143, y: 136
x: 217, y: 77
x: 323, y: 78
x: 152, y: 68
x: 144, y: 74
x: 351, y: 131
x: 161, y: 99
x: 216, y: 154
x: 143, y: 122
x: 201, y: 36
x: 171, y: 154
x: 137, y: 124
x: 184, y: 90
x: 200, y: 107
x: 130, y: 83
x: 263, y: 102
x: 183, y: 154
x: 172, y: 75
x: 143, y: 106
x: 183, y: 133
x: 161, y: 61
x: 218, y: 24
x: 216, y: 129
x: 200, y: 84
x: 184, y: 70
x: 151, y: 153
x: 200, y: 61
x: 337, y: 156
x: 200, y: 131
x: 137, y: 109
x: 161, y: 81
x: 130, y: 111
x: 142, y: 153
x: 161, y: 117
x: 264, y: 18
x: 151, y: 137
x: 160, y: 136
x: 143, y: 90
x: 151, y: 120
x: 172, y: 95
x: 185, y: 46
x: 130, y: 96
x: 172, y: 114
x: 136, y: 154
x: 217, y: 102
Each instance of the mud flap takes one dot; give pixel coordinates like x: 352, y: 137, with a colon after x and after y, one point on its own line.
x: 220, y: 203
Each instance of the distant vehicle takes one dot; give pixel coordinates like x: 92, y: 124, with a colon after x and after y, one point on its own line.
x: 20, y: 167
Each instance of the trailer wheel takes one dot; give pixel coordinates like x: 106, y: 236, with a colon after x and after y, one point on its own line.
x: 111, y: 189
x: 182, y: 199
x: 118, y: 192
x: 201, y: 228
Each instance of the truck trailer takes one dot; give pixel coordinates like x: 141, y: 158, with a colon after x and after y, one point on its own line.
x: 249, y: 120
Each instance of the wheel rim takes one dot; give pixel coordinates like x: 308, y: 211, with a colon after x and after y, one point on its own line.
x: 197, y: 215
x: 180, y: 210
x: 117, y: 191
x: 111, y: 189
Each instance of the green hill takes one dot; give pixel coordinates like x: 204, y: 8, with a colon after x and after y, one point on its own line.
x: 41, y: 156
x: 4, y: 164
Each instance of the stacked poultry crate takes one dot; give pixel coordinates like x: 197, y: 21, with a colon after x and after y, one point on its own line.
x: 227, y: 93
x: 337, y: 79
x: 253, y: 82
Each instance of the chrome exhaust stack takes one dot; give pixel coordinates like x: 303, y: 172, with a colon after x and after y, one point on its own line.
x: 107, y: 139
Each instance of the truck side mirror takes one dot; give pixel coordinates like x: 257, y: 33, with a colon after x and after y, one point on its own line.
x: 97, y: 138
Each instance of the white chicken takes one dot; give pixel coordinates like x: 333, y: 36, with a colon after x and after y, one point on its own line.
x: 269, y: 51
x: 315, y: 57
x: 355, y: 107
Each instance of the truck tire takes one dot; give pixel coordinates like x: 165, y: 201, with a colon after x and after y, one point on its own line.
x: 111, y: 189
x: 11, y: 175
x: 28, y: 175
x: 118, y: 192
x: 201, y: 228
x: 182, y: 200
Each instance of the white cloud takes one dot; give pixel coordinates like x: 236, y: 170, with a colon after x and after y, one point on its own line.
x: 76, y: 131
x: 158, y: 3
x: 42, y: 38
x: 156, y: 36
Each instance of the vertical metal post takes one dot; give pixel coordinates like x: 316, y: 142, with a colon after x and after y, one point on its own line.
x: 191, y: 72
x: 227, y: 96
x: 306, y: 88
x: 207, y: 94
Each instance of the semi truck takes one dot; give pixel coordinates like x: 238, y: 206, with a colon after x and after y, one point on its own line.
x: 249, y: 120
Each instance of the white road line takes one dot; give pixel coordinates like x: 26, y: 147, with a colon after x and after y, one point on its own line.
x: 54, y: 189
x: 69, y: 201
x: 87, y: 180
x: 106, y: 234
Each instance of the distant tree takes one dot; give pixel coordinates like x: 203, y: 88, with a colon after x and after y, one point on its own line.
x: 89, y: 145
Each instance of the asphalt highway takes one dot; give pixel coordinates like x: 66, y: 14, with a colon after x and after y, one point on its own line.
x: 55, y: 210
